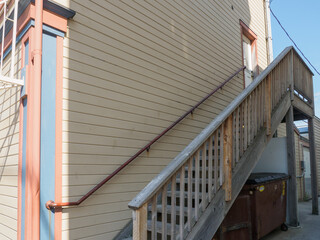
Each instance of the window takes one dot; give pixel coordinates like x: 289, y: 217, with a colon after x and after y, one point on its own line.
x: 249, y: 53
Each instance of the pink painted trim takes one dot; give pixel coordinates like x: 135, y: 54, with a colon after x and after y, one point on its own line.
x: 246, y: 31
x: 32, y: 185
x: 49, y: 18
x: 58, y: 150
x: 29, y: 137
x: 20, y: 168
x: 35, y: 97
x: 55, y: 21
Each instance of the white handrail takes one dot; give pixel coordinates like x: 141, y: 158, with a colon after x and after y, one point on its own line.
x: 3, y: 32
x: 14, y: 37
x: 9, y: 81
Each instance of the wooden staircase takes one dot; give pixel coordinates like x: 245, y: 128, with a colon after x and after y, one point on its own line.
x: 191, y: 196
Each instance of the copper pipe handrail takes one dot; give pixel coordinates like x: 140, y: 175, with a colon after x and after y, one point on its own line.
x: 51, y: 204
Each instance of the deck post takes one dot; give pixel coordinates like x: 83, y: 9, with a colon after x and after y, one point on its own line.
x: 227, y: 158
x: 291, y: 76
x: 313, y: 165
x: 292, y: 185
x: 140, y: 223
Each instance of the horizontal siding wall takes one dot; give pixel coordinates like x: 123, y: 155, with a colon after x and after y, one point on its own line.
x: 317, y: 146
x: 9, y: 153
x: 130, y: 70
x: 281, y: 131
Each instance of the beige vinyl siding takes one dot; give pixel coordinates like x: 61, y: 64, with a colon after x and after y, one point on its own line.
x: 131, y: 68
x: 317, y: 146
x: 9, y: 152
x: 281, y: 130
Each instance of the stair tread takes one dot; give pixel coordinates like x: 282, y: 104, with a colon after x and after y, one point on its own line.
x: 185, y: 194
x: 193, y: 180
x: 200, y: 168
x: 169, y: 207
x: 159, y: 227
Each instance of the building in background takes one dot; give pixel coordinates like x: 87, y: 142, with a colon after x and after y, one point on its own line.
x: 305, y: 158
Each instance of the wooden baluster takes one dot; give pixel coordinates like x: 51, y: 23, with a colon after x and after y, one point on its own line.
x: 262, y: 105
x: 227, y: 157
x: 253, y: 117
x: 258, y: 108
x: 285, y: 76
x: 249, y: 119
x: 140, y: 223
x: 216, y: 161
x: 164, y: 212
x: 237, y: 134
x: 274, y: 83
x: 154, y: 218
x: 278, y: 84
x: 268, y: 105
x: 189, y: 193
x: 197, y: 176
x: 210, y: 168
x: 203, y: 178
x: 275, y: 88
x: 234, y: 139
x: 241, y: 128
x: 290, y: 82
x: 221, y: 154
x: 272, y: 76
x: 181, y: 209
x: 245, y: 123
x: 255, y: 112
x: 173, y: 206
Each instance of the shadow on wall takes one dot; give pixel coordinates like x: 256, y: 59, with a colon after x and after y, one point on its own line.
x: 8, y: 98
x: 131, y: 69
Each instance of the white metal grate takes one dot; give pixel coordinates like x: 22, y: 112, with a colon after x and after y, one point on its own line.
x: 9, y: 81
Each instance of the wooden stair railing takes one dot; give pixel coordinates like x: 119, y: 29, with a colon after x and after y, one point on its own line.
x: 174, y: 201
x: 50, y: 204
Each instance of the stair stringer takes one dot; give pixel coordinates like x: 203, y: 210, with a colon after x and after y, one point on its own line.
x: 214, y: 214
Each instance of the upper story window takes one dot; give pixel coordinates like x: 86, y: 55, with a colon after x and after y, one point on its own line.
x: 249, y: 53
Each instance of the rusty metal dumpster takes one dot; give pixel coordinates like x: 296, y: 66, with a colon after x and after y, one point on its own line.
x: 237, y: 224
x: 259, y: 208
x: 268, y: 200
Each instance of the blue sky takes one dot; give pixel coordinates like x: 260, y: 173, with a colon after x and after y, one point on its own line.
x: 301, y: 19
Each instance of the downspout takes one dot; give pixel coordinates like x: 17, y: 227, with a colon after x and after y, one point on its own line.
x: 268, y: 31
x: 36, y: 102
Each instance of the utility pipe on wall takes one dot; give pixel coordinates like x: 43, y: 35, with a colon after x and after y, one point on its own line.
x: 268, y: 31
x: 35, y: 95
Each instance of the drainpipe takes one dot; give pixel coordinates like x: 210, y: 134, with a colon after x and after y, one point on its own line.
x: 36, y: 105
x: 268, y: 31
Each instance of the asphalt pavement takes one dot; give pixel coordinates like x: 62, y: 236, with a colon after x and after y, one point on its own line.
x: 309, y: 226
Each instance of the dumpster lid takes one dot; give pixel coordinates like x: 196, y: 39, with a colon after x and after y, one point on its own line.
x: 255, y: 178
